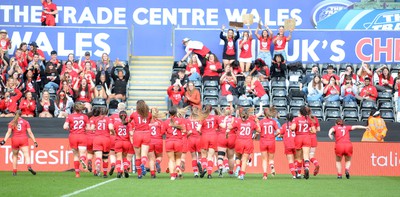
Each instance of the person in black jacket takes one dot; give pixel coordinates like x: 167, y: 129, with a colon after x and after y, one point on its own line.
x: 229, y: 53
x: 29, y: 83
x: 120, y: 74
x: 278, y: 68
x: 45, y: 107
x: 52, y: 76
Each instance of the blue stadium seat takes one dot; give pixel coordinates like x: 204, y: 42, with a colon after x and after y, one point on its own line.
x: 332, y: 114
x: 318, y: 112
x: 210, y: 92
x: 211, y: 83
x: 279, y: 102
x: 213, y: 101
x: 350, y: 114
x: 278, y: 92
x: 282, y: 111
x: 387, y: 115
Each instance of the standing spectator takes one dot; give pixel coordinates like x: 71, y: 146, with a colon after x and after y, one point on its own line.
x: 21, y: 59
x: 49, y: 13
x: 105, y: 63
x: 192, y: 96
x: 315, y: 89
x: 29, y: 83
x: 45, y: 106
x: 278, y: 68
x: 228, y: 84
x: 35, y: 50
x: 175, y: 93
x: 39, y: 68
x: 385, y: 82
x: 84, y: 92
x: 245, y: 56
x: 3, y: 61
x: 349, y: 72
x: 303, y: 85
x: 15, y: 72
x: 5, y: 42
x: 332, y: 90
x: 63, y: 105
x: 120, y: 81
x: 27, y: 105
x: 212, y: 67
x: 349, y: 90
x: 52, y: 75
x: 229, y: 53
x: 8, y: 105
x: 280, y: 42
x: 327, y: 77
x: 368, y: 92
x: 195, y: 47
x: 265, y: 45
x: 193, y: 68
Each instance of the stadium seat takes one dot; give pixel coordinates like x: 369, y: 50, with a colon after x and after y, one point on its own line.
x: 278, y: 92
x: 351, y: 104
x: 368, y: 104
x: 395, y: 68
x: 386, y: 105
x: 315, y: 104
x: 279, y: 102
x: 324, y: 68
x: 257, y: 103
x: 211, y: 83
x: 365, y: 114
x: 387, y: 114
x: 296, y: 103
x: 278, y: 84
x: 282, y: 112
x: 244, y: 103
x: 197, y: 83
x: 332, y: 104
x: 332, y: 114
x: 384, y: 96
x: 295, y: 111
x: 99, y: 102
x: 265, y: 85
x: 213, y: 101
x: 223, y: 102
x: 350, y: 114
x: 317, y: 112
x: 52, y: 93
x: 294, y: 85
x: 309, y: 67
x: 210, y: 92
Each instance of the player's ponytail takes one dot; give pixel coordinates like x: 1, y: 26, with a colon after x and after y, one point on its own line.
x: 172, y: 113
x: 79, y: 107
x: 122, y: 116
x: 339, y: 121
x: 14, y: 122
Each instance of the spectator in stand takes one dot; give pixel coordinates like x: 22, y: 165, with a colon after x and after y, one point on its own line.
x: 21, y: 59
x: 66, y: 87
x: 87, y: 59
x: 315, y: 89
x: 385, y: 82
x: 192, y: 96
x: 228, y: 87
x: 100, y: 92
x: 72, y: 73
x: 265, y: 45
x: 180, y: 77
x: 63, y: 105
x: 45, y: 106
x: 235, y: 66
x: 49, y: 13
x: 212, y: 67
x: 5, y: 42
x: 193, y: 68
x: 303, y: 85
x: 8, y: 105
x: 35, y: 50
x: 349, y: 72
x: 248, y: 93
x: 376, y: 131
x: 39, y: 69
x: 349, y: 90
x: 195, y: 47
x: 368, y: 92
x: 87, y: 70
x: 245, y: 56
x: 29, y: 83
x: 278, y: 68
x: 75, y: 66
x: 84, y: 92
x: 229, y: 53
x: 28, y: 105
x: 259, y: 92
x: 120, y: 74
x: 327, y: 77
x: 15, y: 72
x: 105, y: 63
x: 362, y: 73
x: 16, y: 79
x: 396, y: 96
x: 261, y: 70
x: 56, y: 62
x: 175, y: 93
x: 103, y: 79
x: 52, y: 75
x: 3, y: 64
x: 332, y: 90
x: 280, y: 41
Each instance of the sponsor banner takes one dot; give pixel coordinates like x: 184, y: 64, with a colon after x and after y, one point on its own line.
x: 322, y: 46
x: 369, y: 159
x: 362, y: 19
x: 73, y: 40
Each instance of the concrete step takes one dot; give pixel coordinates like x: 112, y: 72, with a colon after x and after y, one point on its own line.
x: 147, y: 87
x: 150, y: 72
x: 150, y: 58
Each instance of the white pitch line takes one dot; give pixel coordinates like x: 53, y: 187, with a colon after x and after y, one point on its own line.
x: 88, y: 188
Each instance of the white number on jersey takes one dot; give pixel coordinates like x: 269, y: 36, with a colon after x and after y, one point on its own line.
x: 140, y: 120
x: 303, y: 127
x: 153, y: 130
x: 174, y: 132
x: 19, y: 127
x: 269, y: 129
x: 210, y: 126
x: 245, y: 131
x: 343, y: 132
x: 78, y: 124
x: 122, y: 131
x: 101, y: 126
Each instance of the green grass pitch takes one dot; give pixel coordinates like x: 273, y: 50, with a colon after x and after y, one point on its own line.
x: 63, y: 183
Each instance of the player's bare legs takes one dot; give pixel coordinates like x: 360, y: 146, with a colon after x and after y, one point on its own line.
x: 158, y: 162
x: 339, y: 167
x: 306, y: 157
x: 144, y: 153
x: 245, y: 158
x: 76, y: 162
x: 264, y: 156
x: 314, y: 160
x: 82, y: 156
x: 271, y: 157
x: 178, y: 170
x: 292, y: 167
x: 238, y: 162
x: 119, y: 164
x: 210, y: 164
x: 220, y: 161
x: 15, y: 160
x: 204, y: 163
x: 138, y: 154
x: 172, y: 164
x: 112, y: 159
x: 127, y: 162
x: 183, y: 161
x: 25, y: 152
x: 89, y: 160
x: 298, y: 162
x: 152, y: 164
x: 347, y: 159
x: 231, y: 160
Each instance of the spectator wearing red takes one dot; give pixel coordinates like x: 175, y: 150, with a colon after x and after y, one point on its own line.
x: 49, y: 12
x: 45, y: 106
x: 24, y: 49
x: 66, y: 87
x: 228, y: 86
x: 265, y: 45
x: 245, y: 46
x: 21, y: 59
x: 385, y: 80
x: 280, y: 41
x: 212, y: 66
x: 87, y: 69
x: 27, y: 105
x: 364, y: 72
x: 193, y: 68
x: 195, y: 47
x: 332, y: 90
x: 261, y: 70
x: 70, y: 74
x: 87, y: 59
x: 348, y: 90
x: 84, y: 92
x: 326, y: 78
x: 192, y: 96
x: 15, y: 72
x: 175, y: 93
x: 368, y: 92
x: 8, y: 105
x: 229, y: 53
x: 75, y: 66
x: 5, y: 42
x: 63, y: 105
x: 35, y: 50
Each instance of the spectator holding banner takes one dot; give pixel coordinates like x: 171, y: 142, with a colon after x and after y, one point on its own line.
x: 49, y: 12
x: 265, y: 44
x: 280, y: 41
x: 229, y: 53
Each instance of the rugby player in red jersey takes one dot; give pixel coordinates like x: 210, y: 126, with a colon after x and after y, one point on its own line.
x: 156, y: 142
x: 123, y: 146
x: 288, y: 141
x: 226, y: 142
x: 314, y: 142
x: 194, y: 140
x: 18, y: 127
x: 343, y: 146
x: 77, y: 124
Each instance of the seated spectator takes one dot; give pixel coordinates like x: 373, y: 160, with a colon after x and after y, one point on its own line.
x: 180, y: 77
x: 70, y: 74
x: 261, y: 70
x: 228, y: 84
x: 56, y: 62
x: 327, y: 77
x: 175, y: 93
x: 28, y: 105
x: 14, y: 68
x: 105, y: 63
x: 362, y: 73
x: 100, y: 92
x: 45, y: 107
x: 24, y: 51
x: 193, y: 69
x: 103, y: 79
x: 120, y: 80
x: 349, y: 72
x: 315, y: 89
x: 259, y: 92
x: 5, y: 42
x: 368, y: 92
x: 35, y: 50
x: 332, y: 90
x: 248, y: 93
x: 66, y: 87
x: 212, y: 67
x: 17, y: 81
x: 385, y: 80
x: 29, y: 83
x: 63, y: 105
x: 93, y: 66
x: 278, y: 68
x: 192, y: 96
x: 21, y: 59
x: 304, y: 83
x: 348, y: 90
x: 235, y: 66
x: 52, y: 75
x: 87, y: 70
x: 8, y: 105
x: 84, y: 92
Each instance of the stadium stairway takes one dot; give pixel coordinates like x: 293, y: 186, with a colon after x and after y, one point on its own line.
x: 149, y: 80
